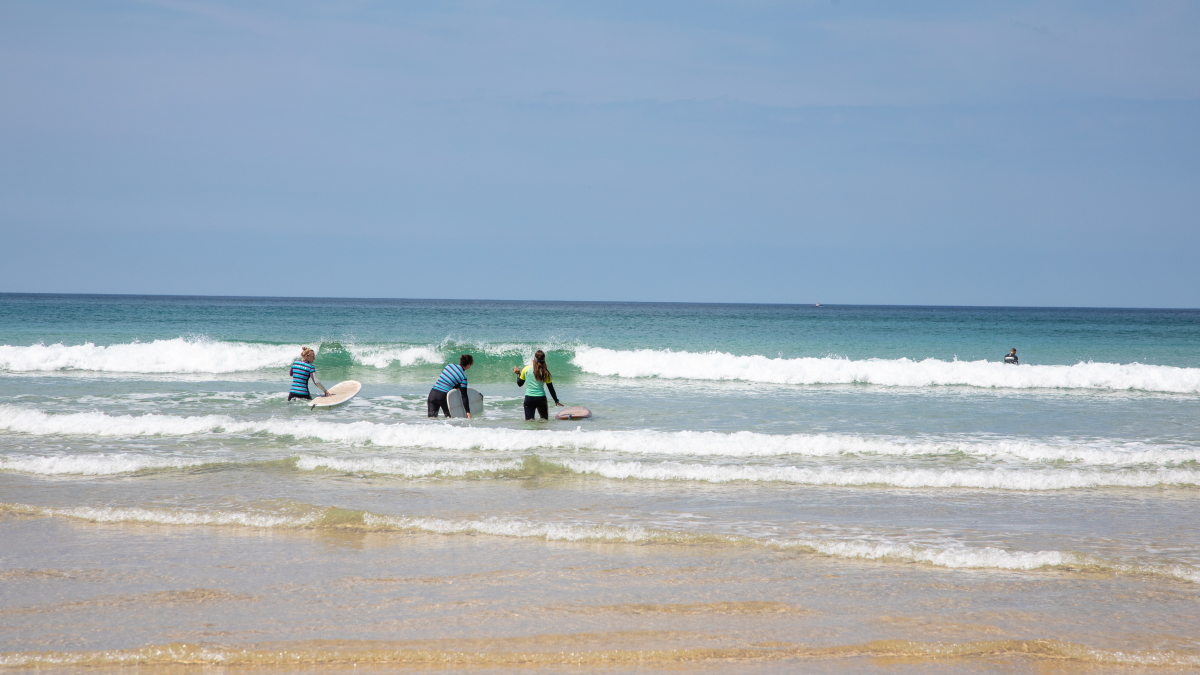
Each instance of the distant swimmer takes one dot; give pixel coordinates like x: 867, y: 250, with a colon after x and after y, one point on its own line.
x: 1011, y: 357
x: 454, y: 376
x: 302, y: 371
x: 536, y: 386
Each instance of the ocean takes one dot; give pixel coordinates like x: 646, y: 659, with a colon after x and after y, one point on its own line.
x: 762, y: 488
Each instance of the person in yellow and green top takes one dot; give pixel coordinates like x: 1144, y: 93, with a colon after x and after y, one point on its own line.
x: 536, y: 379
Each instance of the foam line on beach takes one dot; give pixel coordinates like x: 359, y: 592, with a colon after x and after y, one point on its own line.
x: 517, y: 653
x: 880, y: 548
x: 684, y: 365
x: 891, y: 476
x: 1030, y: 479
x: 98, y: 464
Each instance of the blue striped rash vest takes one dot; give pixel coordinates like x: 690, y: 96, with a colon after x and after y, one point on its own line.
x: 301, y: 371
x: 452, y: 376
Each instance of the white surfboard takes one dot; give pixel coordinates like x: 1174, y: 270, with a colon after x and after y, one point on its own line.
x: 573, y: 412
x: 338, y: 394
x: 454, y: 402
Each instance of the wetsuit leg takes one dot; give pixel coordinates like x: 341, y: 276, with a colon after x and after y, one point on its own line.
x: 292, y: 395
x: 536, y: 404
x: 436, y: 402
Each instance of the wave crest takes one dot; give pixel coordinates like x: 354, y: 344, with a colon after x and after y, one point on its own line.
x: 179, y: 355
x: 902, y: 372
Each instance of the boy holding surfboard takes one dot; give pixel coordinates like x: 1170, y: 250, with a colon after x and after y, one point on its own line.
x: 454, y: 376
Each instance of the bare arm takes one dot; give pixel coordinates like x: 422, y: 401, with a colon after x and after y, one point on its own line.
x: 316, y: 382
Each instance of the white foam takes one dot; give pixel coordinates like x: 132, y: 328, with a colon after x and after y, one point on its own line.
x: 952, y: 555
x: 109, y: 514
x: 992, y: 478
x: 508, y: 527
x: 408, y: 468
x: 28, y: 421
x: 382, y: 356
x: 641, y: 442
x: 91, y: 465
x: 897, y: 372
x: 179, y: 355
x: 1005, y: 479
x: 949, y: 554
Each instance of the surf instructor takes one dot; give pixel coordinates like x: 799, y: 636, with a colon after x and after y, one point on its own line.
x: 303, y: 370
x: 454, y: 376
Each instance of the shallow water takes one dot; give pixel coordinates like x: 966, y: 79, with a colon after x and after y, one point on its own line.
x: 760, y: 486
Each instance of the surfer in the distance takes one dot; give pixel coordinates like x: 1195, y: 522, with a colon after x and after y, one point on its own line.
x: 302, y: 371
x: 536, y: 379
x: 1011, y: 357
x: 454, y: 376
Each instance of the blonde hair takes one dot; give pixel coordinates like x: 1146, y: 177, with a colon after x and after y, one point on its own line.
x: 308, y: 355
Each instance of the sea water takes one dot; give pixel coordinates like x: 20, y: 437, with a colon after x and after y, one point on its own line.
x: 759, y: 486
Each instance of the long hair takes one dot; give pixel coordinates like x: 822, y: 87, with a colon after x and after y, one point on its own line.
x: 540, y: 371
x: 307, y: 355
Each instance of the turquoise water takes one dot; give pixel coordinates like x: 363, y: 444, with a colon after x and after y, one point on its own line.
x: 860, y: 442
x: 1042, y: 335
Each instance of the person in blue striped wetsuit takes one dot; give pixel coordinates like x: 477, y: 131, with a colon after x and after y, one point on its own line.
x: 453, y: 377
x: 302, y: 371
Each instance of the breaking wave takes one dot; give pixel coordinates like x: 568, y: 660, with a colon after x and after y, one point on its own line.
x: 201, y: 355
x: 902, y: 372
x: 180, y: 355
x: 198, y: 355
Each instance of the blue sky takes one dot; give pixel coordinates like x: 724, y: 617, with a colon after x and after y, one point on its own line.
x: 973, y: 153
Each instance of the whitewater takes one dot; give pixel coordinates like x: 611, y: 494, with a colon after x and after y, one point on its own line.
x: 699, y: 443
x: 901, y: 372
x: 201, y: 355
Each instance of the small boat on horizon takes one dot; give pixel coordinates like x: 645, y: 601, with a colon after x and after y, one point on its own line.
x: 817, y: 305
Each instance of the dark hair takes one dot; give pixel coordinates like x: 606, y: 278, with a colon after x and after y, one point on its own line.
x: 540, y: 371
x: 466, y: 360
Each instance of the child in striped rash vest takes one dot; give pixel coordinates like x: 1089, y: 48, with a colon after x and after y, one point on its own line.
x: 302, y: 370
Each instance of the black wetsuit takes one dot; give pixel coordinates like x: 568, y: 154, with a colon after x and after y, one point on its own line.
x: 537, y: 404
x: 1011, y: 359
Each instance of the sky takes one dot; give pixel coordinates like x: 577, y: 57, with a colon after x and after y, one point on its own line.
x: 936, y: 153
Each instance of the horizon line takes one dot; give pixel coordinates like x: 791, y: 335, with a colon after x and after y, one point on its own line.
x: 597, y: 302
